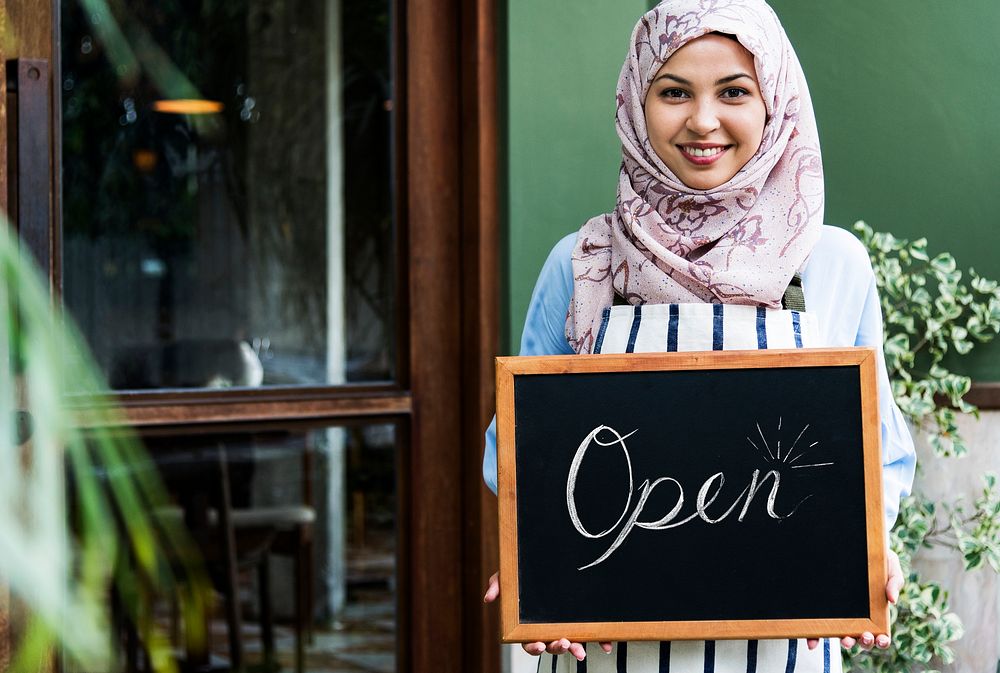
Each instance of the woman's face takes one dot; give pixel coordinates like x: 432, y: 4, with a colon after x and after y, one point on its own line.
x: 704, y: 111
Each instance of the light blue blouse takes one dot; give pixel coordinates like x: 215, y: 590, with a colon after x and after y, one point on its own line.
x: 839, y: 288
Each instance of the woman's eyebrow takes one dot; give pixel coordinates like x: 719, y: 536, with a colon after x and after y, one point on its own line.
x: 677, y: 79
x: 724, y: 80
x: 732, y: 78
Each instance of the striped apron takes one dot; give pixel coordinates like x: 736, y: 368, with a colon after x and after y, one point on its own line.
x: 702, y: 327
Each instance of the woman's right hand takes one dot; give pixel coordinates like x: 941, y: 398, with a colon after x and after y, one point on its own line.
x: 560, y: 646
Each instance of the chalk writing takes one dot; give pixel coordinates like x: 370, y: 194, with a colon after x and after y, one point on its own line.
x: 707, y: 493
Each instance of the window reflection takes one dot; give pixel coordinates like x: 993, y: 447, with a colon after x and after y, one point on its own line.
x: 227, y: 190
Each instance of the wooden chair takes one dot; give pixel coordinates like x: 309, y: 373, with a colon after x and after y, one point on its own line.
x: 234, y: 539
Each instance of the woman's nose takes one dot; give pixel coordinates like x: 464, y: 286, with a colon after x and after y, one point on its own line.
x: 703, y: 119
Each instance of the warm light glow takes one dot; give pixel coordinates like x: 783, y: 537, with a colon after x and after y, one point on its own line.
x: 144, y: 160
x: 188, y: 106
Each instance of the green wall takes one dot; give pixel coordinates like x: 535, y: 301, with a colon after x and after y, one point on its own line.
x: 907, y: 96
x: 563, y: 60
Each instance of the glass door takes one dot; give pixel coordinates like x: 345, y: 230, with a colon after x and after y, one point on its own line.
x: 228, y: 223
x: 274, y: 222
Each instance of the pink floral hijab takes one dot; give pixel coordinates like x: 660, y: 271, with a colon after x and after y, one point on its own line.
x: 739, y: 243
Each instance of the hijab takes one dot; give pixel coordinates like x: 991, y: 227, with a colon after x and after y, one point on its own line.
x: 739, y: 243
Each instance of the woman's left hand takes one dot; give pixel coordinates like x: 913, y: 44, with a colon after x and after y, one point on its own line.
x: 561, y: 646
x: 892, y: 587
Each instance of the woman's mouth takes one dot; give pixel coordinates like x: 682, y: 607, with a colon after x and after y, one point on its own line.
x: 702, y: 156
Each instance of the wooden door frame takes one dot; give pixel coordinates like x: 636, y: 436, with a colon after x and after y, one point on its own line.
x: 449, y: 299
x: 454, y: 329
x: 481, y: 322
x: 451, y: 245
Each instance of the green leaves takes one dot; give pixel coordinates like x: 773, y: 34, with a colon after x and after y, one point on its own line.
x: 979, y: 538
x: 929, y: 310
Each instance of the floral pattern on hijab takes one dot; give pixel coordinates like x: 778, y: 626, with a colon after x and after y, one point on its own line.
x: 739, y: 243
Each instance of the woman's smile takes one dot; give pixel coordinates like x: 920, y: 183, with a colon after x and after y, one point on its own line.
x: 701, y: 154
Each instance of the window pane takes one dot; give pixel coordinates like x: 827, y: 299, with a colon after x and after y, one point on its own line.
x: 347, y: 478
x: 227, y: 190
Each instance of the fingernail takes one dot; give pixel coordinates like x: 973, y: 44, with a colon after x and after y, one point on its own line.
x: 883, y: 641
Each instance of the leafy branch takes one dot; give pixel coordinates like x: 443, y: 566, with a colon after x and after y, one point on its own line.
x: 929, y: 311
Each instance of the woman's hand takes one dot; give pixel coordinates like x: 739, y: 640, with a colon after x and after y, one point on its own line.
x: 560, y: 646
x: 893, y: 585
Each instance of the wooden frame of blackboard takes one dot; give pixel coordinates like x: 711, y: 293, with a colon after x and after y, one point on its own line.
x: 514, y: 630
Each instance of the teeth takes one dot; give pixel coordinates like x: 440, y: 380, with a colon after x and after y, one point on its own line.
x: 697, y: 152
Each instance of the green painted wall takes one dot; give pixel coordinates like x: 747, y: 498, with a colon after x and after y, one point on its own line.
x: 906, y: 95
x: 563, y: 60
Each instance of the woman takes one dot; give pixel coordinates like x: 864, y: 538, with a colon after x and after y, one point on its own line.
x: 720, y: 201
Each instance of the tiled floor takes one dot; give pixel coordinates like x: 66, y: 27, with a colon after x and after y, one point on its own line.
x: 363, y: 638
x: 364, y: 641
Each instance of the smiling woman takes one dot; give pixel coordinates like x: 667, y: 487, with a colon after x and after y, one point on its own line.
x: 704, y: 112
x: 720, y: 201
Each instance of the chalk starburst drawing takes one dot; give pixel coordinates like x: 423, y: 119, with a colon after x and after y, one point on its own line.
x: 790, y: 456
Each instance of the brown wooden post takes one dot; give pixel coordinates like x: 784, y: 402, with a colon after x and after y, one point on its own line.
x: 480, y: 324
x: 25, y: 33
x: 433, y: 127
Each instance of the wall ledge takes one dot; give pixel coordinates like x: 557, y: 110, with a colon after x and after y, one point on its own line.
x: 986, y: 396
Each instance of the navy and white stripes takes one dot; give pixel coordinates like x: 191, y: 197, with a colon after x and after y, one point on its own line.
x: 599, y: 342
x: 636, y: 322
x: 718, y: 325
x: 722, y: 656
x: 655, y: 328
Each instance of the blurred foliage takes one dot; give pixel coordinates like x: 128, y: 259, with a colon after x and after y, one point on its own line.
x: 77, y: 496
x: 930, y: 309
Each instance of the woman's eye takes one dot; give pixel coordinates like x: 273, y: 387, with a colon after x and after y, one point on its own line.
x: 735, y: 92
x: 673, y: 93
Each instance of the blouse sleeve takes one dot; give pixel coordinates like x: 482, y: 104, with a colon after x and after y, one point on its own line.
x: 544, y: 329
x: 898, y: 456
x: 840, y: 288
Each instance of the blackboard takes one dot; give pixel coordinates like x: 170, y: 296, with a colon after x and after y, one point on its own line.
x: 690, y: 496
